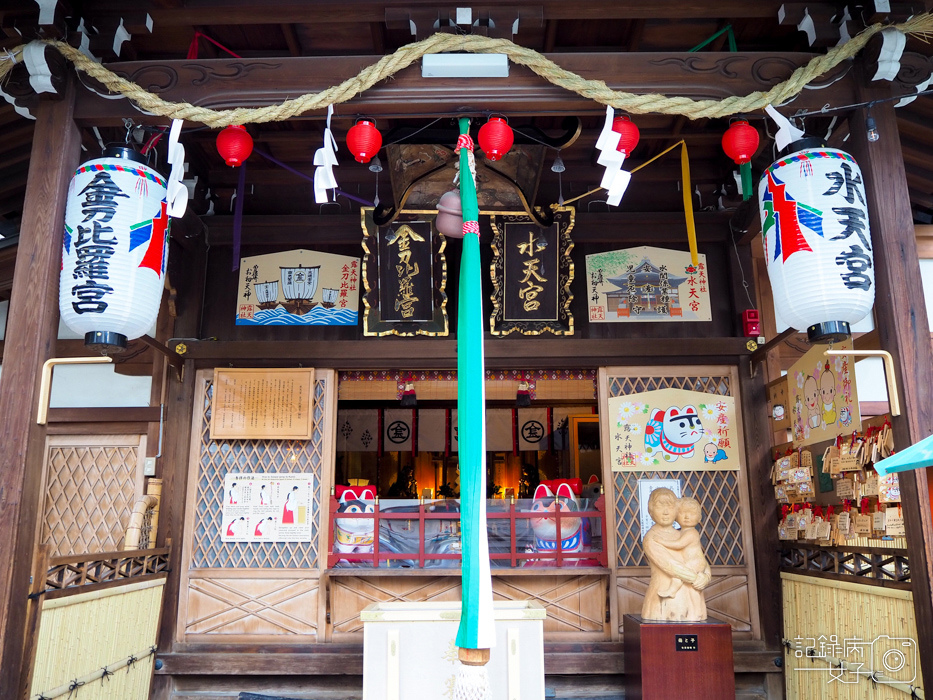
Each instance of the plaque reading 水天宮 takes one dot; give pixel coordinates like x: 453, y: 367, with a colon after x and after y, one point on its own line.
x: 262, y: 404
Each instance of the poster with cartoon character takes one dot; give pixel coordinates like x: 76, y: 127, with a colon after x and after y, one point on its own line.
x: 673, y: 429
x: 822, y: 396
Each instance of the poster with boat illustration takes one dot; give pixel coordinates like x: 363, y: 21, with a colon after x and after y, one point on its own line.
x: 647, y: 284
x: 299, y: 288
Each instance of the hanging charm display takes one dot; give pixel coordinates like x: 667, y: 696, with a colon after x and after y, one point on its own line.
x: 817, y: 241
x: 115, y: 249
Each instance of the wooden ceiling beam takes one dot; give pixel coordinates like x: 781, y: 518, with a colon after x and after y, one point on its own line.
x: 225, y: 83
x: 221, y: 12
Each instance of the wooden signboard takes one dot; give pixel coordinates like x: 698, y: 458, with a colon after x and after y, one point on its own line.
x: 647, y: 284
x: 531, y: 274
x: 405, y: 276
x: 673, y: 429
x: 823, y: 399
x: 298, y: 288
x: 262, y: 404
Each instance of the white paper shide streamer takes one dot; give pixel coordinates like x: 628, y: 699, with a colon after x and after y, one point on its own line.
x: 615, y: 179
x: 325, y: 158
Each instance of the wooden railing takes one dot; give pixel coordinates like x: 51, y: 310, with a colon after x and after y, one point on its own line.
x: 89, y: 616
x: 869, y: 565
x: 418, y: 555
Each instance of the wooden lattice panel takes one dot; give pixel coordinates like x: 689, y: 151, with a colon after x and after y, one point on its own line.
x: 720, y: 530
x: 574, y: 604
x: 218, y: 457
x: 727, y: 598
x: 91, y: 486
x: 721, y: 527
x: 252, y: 606
x: 350, y: 594
x: 623, y: 386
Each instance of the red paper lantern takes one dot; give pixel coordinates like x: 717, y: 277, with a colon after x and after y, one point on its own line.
x: 364, y: 140
x: 495, y: 138
x: 628, y: 134
x: 234, y: 144
x: 740, y: 141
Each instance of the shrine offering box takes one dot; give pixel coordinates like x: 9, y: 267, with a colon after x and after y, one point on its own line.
x: 664, y: 660
x: 409, y: 650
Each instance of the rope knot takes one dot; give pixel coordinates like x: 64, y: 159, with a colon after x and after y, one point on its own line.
x: 73, y: 687
x: 471, y: 227
x: 464, y: 141
x: 105, y: 674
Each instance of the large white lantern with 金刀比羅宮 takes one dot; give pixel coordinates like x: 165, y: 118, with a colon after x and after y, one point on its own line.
x: 115, y: 249
x: 817, y: 243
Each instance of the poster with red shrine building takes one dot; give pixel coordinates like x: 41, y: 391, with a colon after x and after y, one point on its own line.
x: 647, y: 284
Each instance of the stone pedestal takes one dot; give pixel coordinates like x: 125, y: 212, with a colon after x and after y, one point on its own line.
x: 666, y: 660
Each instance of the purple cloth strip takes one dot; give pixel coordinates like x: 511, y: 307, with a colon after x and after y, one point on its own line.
x: 238, y: 217
x: 358, y: 200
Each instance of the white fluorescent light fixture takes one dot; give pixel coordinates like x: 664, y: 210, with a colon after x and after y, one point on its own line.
x: 465, y: 65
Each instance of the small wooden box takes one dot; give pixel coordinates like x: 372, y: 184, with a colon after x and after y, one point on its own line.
x: 665, y: 660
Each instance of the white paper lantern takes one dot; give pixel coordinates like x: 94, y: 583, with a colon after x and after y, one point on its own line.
x: 115, y: 249
x: 817, y: 242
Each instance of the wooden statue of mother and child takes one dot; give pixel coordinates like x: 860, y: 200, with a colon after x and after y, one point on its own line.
x: 679, y: 570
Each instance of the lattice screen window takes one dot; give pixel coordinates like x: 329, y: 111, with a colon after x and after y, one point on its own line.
x: 218, y: 457
x: 717, y: 491
x: 91, y: 486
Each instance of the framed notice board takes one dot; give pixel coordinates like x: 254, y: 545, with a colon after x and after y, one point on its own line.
x: 262, y: 404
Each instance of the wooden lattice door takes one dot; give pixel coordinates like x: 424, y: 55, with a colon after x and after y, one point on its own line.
x: 725, y: 531
x: 245, y: 591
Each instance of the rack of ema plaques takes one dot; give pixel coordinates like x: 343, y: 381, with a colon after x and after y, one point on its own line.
x: 409, y: 651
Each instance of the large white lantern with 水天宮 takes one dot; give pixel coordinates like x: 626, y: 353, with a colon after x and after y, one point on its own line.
x: 115, y: 249
x: 814, y: 220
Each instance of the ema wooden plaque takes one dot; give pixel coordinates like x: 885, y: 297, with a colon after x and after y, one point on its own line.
x: 262, y: 404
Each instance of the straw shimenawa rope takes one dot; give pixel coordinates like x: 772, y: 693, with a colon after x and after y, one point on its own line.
x: 596, y: 90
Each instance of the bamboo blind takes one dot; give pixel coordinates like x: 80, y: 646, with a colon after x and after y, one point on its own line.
x: 92, y: 484
x: 80, y: 634
x: 815, y: 609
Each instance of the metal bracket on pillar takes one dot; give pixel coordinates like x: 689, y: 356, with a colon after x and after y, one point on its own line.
x: 761, y: 354
x: 174, y: 359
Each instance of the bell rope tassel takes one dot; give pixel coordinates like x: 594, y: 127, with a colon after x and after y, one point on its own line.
x: 472, y: 683
x: 476, y: 633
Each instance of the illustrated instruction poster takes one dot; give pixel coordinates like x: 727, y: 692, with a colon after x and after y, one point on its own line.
x: 647, y: 284
x: 822, y: 395
x: 262, y: 404
x: 267, y: 508
x: 673, y: 429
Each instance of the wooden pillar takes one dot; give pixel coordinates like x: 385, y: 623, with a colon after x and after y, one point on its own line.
x: 901, y: 319
x: 31, y: 331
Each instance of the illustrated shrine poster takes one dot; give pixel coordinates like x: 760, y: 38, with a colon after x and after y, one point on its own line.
x: 262, y: 404
x: 823, y: 398
x: 267, y: 508
x: 673, y: 429
x: 645, y: 487
x: 298, y: 288
x: 647, y: 284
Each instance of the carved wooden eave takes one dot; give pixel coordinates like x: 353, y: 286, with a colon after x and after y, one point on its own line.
x: 227, y: 83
